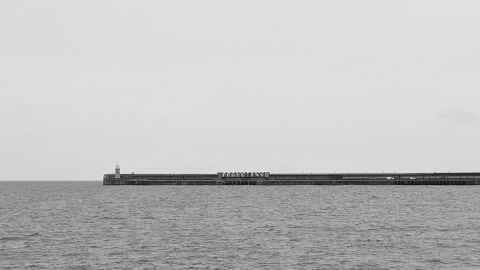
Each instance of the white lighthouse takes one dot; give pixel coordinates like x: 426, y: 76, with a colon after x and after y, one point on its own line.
x: 117, y: 171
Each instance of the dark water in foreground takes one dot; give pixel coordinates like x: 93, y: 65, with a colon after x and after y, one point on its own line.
x: 88, y: 226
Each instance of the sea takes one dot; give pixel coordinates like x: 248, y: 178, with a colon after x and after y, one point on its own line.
x: 85, y: 225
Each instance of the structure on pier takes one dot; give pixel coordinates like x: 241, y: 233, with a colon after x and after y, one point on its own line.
x: 117, y: 172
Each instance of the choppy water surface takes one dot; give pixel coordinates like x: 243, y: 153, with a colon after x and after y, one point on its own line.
x: 88, y: 226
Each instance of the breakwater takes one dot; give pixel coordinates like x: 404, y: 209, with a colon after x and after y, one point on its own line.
x: 265, y: 178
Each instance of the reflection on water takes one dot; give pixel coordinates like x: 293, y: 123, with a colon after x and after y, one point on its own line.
x: 77, y: 225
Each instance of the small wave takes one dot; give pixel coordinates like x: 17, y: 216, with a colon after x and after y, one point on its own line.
x: 367, y: 266
x: 475, y: 241
x: 113, y: 218
x: 18, y: 237
x: 435, y: 260
x: 76, y: 254
x: 116, y: 253
x: 12, y: 238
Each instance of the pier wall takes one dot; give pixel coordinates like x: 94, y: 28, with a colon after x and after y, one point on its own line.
x: 297, y: 179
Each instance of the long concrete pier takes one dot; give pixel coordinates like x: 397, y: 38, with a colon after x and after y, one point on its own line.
x: 255, y: 178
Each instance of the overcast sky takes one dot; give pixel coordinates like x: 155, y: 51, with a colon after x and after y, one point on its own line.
x: 264, y: 85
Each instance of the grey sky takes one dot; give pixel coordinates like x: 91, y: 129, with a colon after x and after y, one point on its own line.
x: 206, y: 86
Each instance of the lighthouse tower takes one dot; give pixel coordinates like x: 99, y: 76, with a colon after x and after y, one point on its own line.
x: 117, y: 171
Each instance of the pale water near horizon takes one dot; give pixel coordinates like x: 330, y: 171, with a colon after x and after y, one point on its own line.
x: 84, y: 225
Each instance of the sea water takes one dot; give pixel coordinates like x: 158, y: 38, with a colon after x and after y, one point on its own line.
x: 84, y: 225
